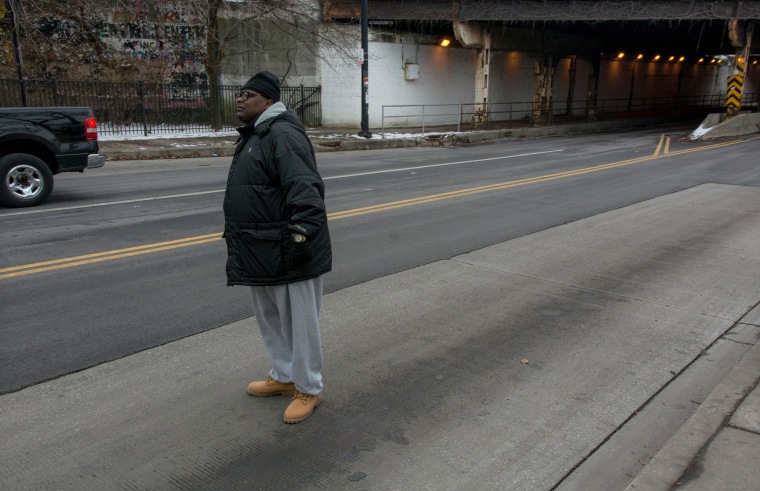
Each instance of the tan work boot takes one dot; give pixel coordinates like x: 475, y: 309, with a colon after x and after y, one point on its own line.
x: 301, y: 407
x: 270, y: 387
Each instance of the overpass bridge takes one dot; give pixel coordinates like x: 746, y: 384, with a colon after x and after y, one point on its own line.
x: 565, y: 34
x: 696, y: 27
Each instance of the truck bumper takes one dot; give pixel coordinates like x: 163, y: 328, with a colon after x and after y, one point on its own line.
x: 94, y: 161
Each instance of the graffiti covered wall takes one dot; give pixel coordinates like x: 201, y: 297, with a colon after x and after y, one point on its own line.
x: 127, y: 40
x: 163, y: 32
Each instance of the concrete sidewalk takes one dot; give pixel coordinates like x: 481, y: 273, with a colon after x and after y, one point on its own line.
x: 504, y: 368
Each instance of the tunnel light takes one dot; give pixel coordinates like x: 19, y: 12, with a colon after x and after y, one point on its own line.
x: 621, y: 55
x: 754, y: 62
x: 445, y: 42
x: 640, y: 56
x: 656, y: 57
x: 701, y: 60
x: 671, y: 58
x: 680, y: 60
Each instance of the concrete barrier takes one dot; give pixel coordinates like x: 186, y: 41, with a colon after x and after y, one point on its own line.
x: 717, y: 126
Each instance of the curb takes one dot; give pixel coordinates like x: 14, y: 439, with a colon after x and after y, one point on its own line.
x: 215, y: 149
x: 671, y: 462
x: 165, y: 153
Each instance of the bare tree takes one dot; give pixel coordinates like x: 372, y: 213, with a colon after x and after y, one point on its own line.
x: 145, y: 40
x: 60, y: 39
x: 6, y: 43
x: 300, y: 20
x: 71, y: 39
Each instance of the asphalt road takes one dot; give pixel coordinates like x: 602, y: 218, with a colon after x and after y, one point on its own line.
x: 141, y: 263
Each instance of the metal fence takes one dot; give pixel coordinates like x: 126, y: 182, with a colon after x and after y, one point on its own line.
x: 470, y: 116
x: 146, y: 108
x: 142, y: 108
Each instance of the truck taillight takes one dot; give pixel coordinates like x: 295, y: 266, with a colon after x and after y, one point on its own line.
x: 91, y: 128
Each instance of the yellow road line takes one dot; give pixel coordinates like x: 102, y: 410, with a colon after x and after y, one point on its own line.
x: 106, y: 256
x: 108, y: 253
x: 480, y: 189
x: 659, y: 146
x: 710, y: 147
x: 204, y: 239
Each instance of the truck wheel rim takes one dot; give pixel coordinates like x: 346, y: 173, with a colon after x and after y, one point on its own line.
x: 24, y: 182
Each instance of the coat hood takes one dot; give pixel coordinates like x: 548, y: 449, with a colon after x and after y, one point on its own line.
x: 277, y: 111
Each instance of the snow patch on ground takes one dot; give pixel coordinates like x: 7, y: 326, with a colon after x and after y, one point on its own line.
x: 698, y: 132
x: 169, y: 134
x: 381, y: 136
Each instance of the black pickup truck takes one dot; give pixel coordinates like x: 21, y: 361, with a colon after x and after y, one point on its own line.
x: 38, y: 142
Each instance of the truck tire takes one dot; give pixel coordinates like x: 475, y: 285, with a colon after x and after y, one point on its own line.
x: 26, y: 180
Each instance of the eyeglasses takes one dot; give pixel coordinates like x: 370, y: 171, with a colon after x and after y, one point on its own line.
x: 246, y: 94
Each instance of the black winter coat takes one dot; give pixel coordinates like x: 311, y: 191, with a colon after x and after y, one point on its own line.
x: 273, y: 191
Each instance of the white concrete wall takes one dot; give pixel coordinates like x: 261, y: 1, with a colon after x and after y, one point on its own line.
x: 659, y: 79
x: 446, y: 76
x: 752, y: 79
x: 511, y: 83
x: 341, y: 90
x: 561, y: 88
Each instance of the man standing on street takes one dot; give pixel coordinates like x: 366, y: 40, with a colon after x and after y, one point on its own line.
x: 275, y: 225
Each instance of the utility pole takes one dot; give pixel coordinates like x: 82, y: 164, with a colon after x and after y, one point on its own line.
x: 365, y: 69
x: 17, y: 48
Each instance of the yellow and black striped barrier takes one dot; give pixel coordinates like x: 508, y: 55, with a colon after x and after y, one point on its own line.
x: 734, y: 91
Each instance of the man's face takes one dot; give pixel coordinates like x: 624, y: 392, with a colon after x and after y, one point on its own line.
x: 250, y: 105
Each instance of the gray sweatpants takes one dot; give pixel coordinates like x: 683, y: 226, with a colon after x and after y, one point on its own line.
x: 288, y: 317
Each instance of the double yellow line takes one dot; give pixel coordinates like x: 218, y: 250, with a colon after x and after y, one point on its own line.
x: 481, y: 189
x: 522, y: 182
x: 666, y: 140
x: 105, y: 256
x: 663, y: 146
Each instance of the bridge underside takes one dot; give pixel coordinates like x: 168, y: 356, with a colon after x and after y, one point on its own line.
x: 541, y: 10
x: 687, y: 27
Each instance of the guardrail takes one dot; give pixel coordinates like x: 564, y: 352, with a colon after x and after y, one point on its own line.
x: 471, y: 116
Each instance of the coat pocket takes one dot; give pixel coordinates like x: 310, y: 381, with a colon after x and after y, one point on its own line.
x: 260, y: 253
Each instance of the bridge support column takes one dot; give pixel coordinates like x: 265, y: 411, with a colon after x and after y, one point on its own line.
x: 544, y: 66
x: 478, y: 37
x: 741, y: 36
x: 595, y: 63
x: 482, y: 80
x: 734, y: 87
x: 571, y: 85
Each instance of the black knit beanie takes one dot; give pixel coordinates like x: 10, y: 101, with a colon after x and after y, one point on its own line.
x: 266, y: 84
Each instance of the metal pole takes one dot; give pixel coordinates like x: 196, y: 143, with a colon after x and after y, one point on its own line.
x: 382, y: 122
x: 17, y: 49
x: 365, y: 69
x: 142, y: 107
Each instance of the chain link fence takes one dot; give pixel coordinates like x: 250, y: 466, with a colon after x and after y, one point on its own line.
x: 143, y: 108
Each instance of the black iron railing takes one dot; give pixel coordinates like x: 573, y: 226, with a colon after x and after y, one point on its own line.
x: 145, y: 108
x: 469, y: 116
